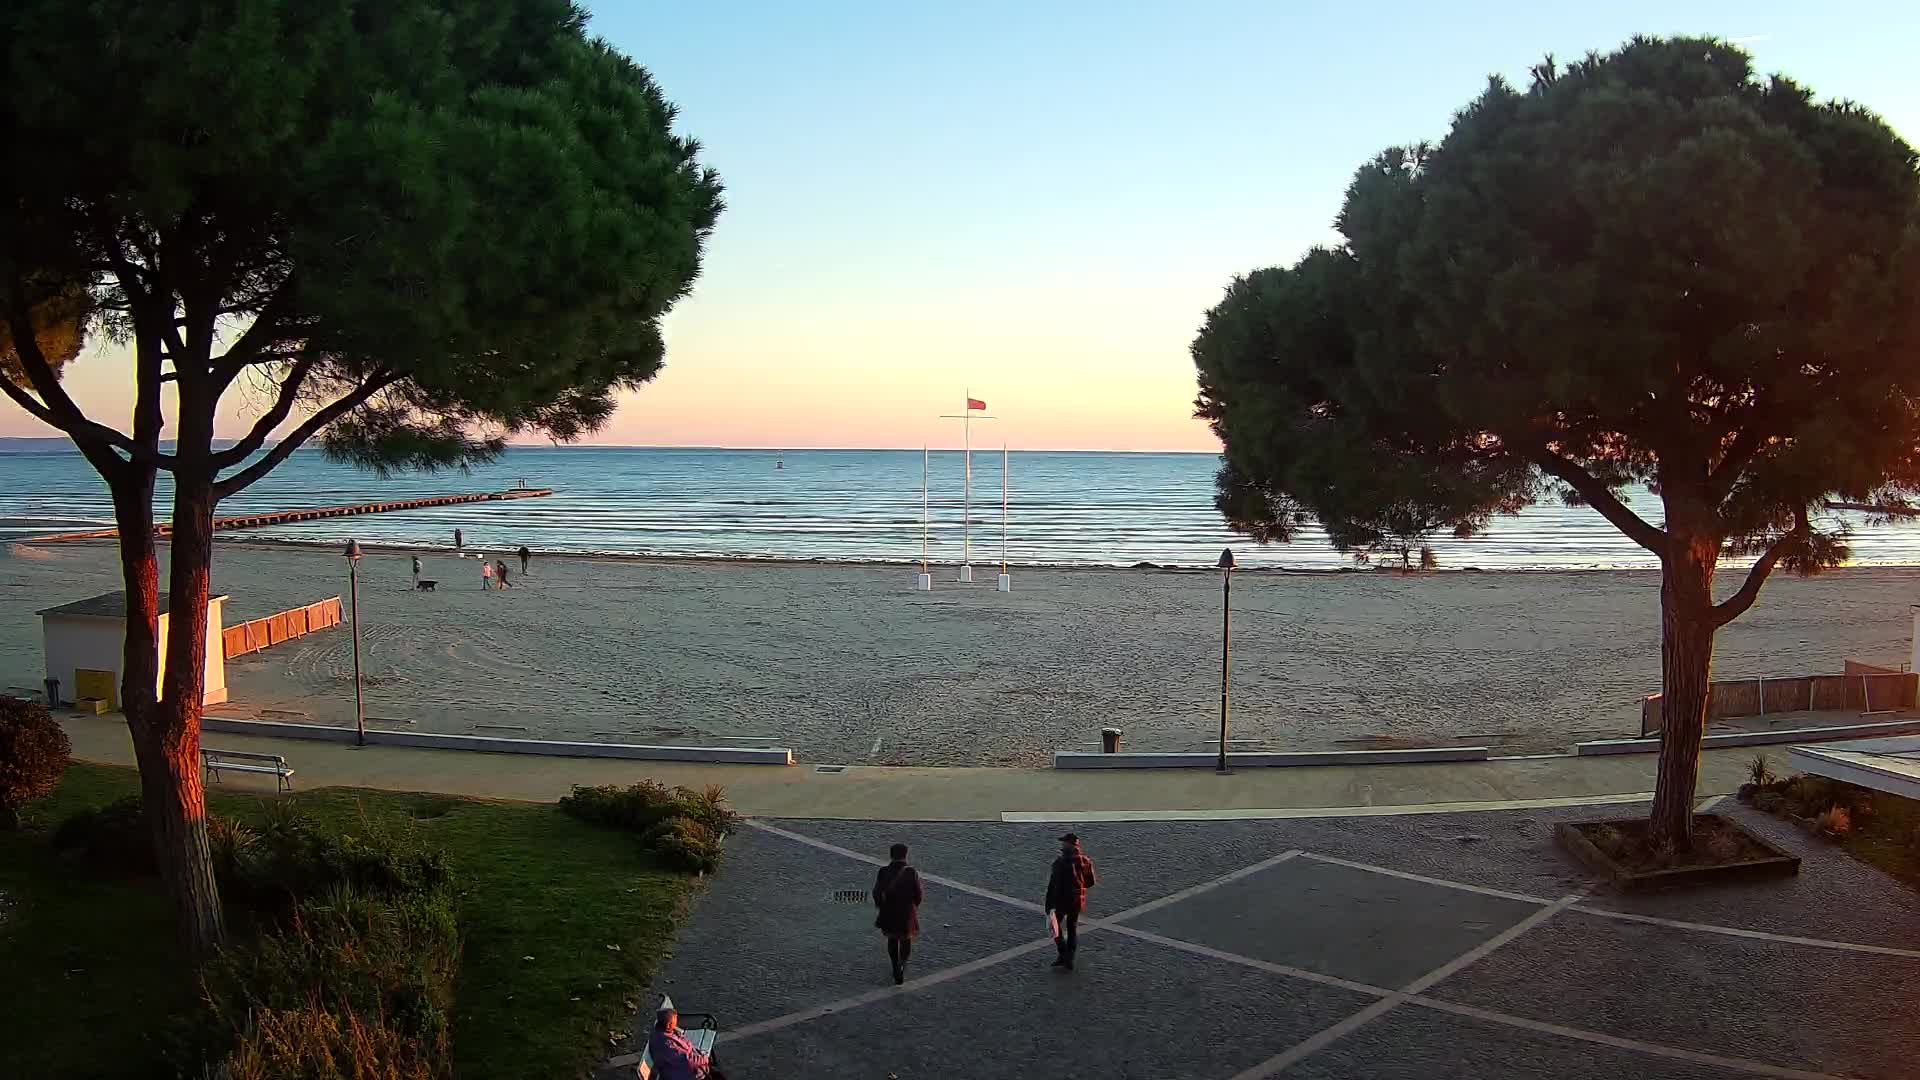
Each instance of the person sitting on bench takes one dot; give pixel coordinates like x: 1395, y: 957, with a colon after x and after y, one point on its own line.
x: 672, y: 1055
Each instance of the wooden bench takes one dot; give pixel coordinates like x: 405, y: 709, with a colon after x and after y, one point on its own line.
x: 217, y: 761
x: 702, y: 1038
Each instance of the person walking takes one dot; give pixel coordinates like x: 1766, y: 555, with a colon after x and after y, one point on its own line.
x: 486, y: 573
x: 897, y: 893
x: 1067, y: 897
x: 459, y: 541
x: 416, y: 573
x: 500, y: 571
x: 525, y: 557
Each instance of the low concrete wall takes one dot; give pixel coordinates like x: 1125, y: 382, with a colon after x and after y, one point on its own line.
x: 718, y: 755
x: 1755, y: 738
x: 1081, y: 759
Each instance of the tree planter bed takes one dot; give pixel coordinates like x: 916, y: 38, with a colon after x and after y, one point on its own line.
x: 1760, y: 859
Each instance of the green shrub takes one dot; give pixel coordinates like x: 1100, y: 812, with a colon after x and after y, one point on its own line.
x: 1760, y: 771
x: 113, y: 837
x: 684, y: 844
x: 231, y: 844
x: 682, y: 826
x: 290, y: 858
x: 34, y: 749
x: 355, y: 984
x: 635, y: 808
x: 1808, y: 796
x: 709, y: 807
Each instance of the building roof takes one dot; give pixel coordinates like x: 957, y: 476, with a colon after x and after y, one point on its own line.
x: 1890, y: 764
x: 111, y: 605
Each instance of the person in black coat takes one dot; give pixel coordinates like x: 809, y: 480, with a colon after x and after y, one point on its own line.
x: 897, y: 893
x: 1067, y: 896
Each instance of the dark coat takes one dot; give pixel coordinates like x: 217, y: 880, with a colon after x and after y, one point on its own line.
x: 897, y: 893
x: 1067, y: 887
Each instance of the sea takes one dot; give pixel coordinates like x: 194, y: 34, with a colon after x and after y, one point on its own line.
x: 1059, y: 508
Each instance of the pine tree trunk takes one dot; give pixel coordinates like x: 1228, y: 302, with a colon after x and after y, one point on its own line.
x: 170, y: 768
x: 166, y: 746
x: 1686, y: 665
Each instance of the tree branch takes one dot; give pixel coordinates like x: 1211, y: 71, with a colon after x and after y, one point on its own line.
x: 285, y: 447
x: 30, y: 403
x: 274, y: 416
x: 1746, y: 445
x: 1736, y: 605
x: 246, y: 351
x: 55, y: 407
x: 1601, y: 498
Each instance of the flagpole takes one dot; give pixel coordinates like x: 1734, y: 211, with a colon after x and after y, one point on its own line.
x: 924, y: 582
x: 965, y: 416
x: 966, y: 527
x: 1005, y: 584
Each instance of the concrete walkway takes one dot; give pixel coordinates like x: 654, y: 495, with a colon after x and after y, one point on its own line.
x: 951, y: 794
x: 1434, y: 947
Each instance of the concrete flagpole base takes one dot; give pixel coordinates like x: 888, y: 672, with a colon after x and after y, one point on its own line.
x: 1005, y: 584
x: 966, y: 573
x: 923, y: 582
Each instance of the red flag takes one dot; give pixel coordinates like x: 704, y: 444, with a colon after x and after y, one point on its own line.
x: 976, y: 403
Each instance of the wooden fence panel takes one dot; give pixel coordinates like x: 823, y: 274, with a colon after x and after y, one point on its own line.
x: 256, y: 634
x: 1853, y: 692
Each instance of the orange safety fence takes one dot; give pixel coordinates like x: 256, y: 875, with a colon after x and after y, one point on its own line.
x: 256, y: 634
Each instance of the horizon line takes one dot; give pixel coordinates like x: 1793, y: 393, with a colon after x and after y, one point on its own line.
x: 548, y: 445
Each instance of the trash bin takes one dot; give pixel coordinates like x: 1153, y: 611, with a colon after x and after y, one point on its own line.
x: 1110, y: 740
x: 53, y: 693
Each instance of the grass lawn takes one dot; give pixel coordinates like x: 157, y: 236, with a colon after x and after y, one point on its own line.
x: 562, y: 925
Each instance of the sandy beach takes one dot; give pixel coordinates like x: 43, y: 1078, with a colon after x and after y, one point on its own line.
x: 848, y: 664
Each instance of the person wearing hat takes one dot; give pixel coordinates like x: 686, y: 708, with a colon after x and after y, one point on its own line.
x: 671, y: 1054
x: 1067, y: 897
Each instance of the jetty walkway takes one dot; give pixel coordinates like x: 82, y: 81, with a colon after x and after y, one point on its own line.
x: 313, y: 513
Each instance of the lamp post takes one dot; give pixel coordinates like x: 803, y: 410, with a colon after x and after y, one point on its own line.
x: 1226, y: 644
x: 353, y: 588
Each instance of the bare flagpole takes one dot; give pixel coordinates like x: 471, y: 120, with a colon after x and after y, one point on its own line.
x: 924, y: 581
x: 1005, y: 584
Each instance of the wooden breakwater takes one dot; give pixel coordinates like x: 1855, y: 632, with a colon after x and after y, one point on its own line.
x: 282, y: 517
x: 256, y: 634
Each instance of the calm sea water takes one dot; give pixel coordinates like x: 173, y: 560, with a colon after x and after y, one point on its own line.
x: 1063, y: 508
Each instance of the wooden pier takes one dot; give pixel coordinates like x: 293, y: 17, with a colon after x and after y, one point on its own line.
x: 283, y: 517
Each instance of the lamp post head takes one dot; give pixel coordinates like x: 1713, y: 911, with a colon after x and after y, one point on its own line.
x: 353, y: 550
x: 1226, y: 559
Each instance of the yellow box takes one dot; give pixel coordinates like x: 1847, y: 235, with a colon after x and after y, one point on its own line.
x: 93, y: 705
x: 94, y: 683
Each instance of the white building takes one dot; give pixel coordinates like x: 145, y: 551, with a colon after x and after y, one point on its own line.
x: 85, y: 640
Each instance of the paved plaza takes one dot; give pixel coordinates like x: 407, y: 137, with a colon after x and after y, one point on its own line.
x: 1429, y: 946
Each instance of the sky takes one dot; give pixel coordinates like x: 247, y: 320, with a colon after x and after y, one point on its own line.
x: 1037, y: 202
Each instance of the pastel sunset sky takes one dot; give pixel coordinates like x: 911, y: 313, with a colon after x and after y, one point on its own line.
x: 1036, y: 202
